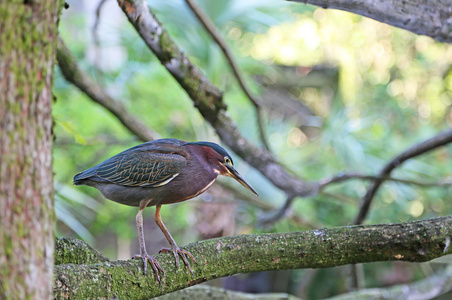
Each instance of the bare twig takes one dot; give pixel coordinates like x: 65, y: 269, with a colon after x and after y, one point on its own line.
x: 273, y: 217
x: 80, y: 79
x: 266, y: 208
x: 349, y: 176
x: 243, y: 195
x: 341, y: 198
x: 217, y: 37
x: 95, y: 32
x: 97, y: 63
x: 356, y: 277
x: 418, y: 149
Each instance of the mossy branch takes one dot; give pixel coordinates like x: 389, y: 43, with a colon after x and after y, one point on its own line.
x: 414, y: 241
x: 72, y: 251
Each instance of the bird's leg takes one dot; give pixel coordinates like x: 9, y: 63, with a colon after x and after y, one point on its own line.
x: 176, y: 250
x: 143, y: 253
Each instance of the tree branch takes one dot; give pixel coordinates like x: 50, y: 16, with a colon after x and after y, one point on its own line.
x: 95, y: 28
x: 426, y: 17
x: 80, y: 79
x: 208, y: 99
x: 278, y: 214
x: 72, y: 251
x: 428, y: 288
x: 207, y: 292
x: 414, y: 241
x: 95, y: 35
x: 349, y: 176
x: 274, y: 216
x: 425, y: 289
x: 418, y: 149
x: 216, y: 36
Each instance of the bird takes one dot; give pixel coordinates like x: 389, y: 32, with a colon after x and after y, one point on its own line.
x: 157, y: 173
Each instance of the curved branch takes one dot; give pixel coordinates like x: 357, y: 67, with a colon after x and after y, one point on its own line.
x: 418, y: 149
x: 95, y: 29
x: 80, y: 79
x: 275, y: 216
x: 208, y: 99
x: 414, y: 241
x: 426, y: 17
x: 216, y: 36
x: 95, y: 36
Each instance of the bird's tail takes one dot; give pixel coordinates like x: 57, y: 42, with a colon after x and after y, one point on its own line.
x: 80, y: 178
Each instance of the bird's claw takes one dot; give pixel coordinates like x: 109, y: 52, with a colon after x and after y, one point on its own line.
x: 154, y: 264
x: 178, y: 251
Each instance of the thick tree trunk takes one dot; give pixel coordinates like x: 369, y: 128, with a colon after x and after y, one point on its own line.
x: 28, y: 34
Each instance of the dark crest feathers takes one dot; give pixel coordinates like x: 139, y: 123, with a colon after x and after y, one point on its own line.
x: 215, y: 147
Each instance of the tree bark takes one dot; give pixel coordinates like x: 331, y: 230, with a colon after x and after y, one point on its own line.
x: 415, y: 242
x: 28, y: 32
x: 426, y: 17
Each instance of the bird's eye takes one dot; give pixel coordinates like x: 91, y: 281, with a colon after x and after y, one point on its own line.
x: 227, y: 160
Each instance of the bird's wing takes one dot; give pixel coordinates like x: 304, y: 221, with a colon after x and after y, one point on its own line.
x: 141, y: 168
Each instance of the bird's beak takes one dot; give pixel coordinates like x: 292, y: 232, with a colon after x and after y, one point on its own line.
x: 234, y: 174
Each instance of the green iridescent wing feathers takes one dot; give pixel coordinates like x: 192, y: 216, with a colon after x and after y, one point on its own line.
x: 141, y: 168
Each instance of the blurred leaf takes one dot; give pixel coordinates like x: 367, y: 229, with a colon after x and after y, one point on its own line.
x: 79, y: 139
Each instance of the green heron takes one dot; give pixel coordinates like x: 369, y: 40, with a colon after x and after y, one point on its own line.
x: 160, y: 172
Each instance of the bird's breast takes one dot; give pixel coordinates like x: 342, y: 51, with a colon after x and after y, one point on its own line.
x: 187, y: 186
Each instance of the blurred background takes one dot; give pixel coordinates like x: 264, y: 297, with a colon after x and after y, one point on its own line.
x: 342, y: 93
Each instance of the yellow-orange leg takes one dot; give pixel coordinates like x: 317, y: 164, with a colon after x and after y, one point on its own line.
x: 176, y: 250
x: 143, y: 253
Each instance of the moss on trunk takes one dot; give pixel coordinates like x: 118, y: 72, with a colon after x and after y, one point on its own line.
x: 28, y: 39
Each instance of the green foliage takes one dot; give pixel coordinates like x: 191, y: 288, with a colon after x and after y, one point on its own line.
x: 393, y: 90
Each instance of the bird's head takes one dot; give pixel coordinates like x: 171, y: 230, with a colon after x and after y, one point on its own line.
x: 221, y: 162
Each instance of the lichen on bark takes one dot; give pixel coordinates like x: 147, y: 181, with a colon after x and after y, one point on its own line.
x: 28, y: 39
x: 414, y: 241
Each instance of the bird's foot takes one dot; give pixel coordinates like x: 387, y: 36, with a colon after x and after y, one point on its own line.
x: 154, y: 264
x: 183, y: 253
